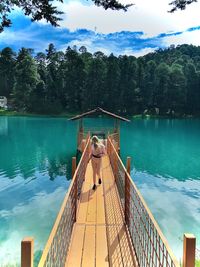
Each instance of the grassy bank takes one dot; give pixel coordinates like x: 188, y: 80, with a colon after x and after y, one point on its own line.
x: 68, y: 115
x: 141, y: 116
x: 26, y: 114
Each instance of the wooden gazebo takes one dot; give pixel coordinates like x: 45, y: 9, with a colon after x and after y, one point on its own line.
x: 101, y: 132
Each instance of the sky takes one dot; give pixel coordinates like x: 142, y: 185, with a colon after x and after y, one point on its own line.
x: 145, y: 27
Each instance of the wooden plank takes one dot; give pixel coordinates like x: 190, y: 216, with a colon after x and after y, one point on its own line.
x: 114, y: 252
x: 100, y: 219
x: 89, y: 174
x: 106, y: 168
x: 101, y: 247
x: 100, y: 238
x: 74, y: 257
x: 88, y: 259
x: 92, y: 201
x: 83, y: 203
x: 125, y: 247
x: 92, y: 207
x: 116, y: 205
x: 110, y: 217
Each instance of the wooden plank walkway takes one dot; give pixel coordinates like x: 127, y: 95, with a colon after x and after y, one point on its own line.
x: 100, y: 237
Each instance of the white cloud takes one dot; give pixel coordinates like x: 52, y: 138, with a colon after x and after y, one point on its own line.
x: 151, y: 17
x: 184, y: 38
x: 115, y: 30
x: 29, y: 220
x: 141, y: 52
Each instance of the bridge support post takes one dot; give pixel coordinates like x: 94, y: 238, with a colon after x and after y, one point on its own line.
x: 127, y: 191
x: 189, y: 247
x: 73, y: 165
x: 27, y: 247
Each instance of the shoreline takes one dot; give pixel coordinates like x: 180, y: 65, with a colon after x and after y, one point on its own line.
x: 68, y: 115
x: 26, y: 114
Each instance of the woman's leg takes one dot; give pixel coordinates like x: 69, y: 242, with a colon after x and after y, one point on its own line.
x: 98, y: 170
x: 94, y: 167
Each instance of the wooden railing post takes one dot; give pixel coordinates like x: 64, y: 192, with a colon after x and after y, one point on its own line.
x: 75, y: 197
x: 73, y: 165
x: 189, y: 247
x: 118, y: 150
x: 127, y: 191
x: 128, y: 164
x: 115, y: 166
x: 75, y: 184
x: 27, y: 247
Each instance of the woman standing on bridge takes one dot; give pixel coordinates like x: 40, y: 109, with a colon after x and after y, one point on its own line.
x: 96, y: 153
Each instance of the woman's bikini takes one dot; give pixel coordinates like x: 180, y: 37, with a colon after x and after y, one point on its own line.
x: 97, y: 156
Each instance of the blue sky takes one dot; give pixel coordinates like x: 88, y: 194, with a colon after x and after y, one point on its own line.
x: 146, y: 27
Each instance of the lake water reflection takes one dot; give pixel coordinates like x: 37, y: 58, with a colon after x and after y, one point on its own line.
x: 35, y: 168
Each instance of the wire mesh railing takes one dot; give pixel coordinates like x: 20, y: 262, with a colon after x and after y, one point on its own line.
x: 151, y: 247
x: 56, y: 248
x: 114, y: 137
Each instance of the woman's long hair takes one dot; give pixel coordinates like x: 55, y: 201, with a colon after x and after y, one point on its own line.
x: 95, y: 141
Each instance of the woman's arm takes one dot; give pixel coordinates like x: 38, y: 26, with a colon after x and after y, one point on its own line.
x: 90, y: 154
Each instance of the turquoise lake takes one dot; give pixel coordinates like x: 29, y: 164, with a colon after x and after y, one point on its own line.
x: 35, y: 173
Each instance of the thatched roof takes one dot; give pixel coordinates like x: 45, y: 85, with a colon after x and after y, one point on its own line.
x: 98, y: 111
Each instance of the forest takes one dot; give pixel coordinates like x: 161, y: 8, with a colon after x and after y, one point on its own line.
x: 166, y: 81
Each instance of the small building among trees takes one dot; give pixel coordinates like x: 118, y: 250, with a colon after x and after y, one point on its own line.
x: 3, y: 102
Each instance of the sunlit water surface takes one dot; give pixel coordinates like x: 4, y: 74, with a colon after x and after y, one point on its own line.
x: 35, y: 169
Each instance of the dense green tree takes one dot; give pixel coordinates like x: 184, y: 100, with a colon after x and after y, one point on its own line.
x: 162, y: 74
x: 26, y: 80
x: 54, y: 60
x: 75, y: 81
x: 112, y: 93
x: 7, y: 65
x: 148, y: 87
x: 176, y: 93
x: 95, y: 83
x: 192, y: 88
x: 128, y: 77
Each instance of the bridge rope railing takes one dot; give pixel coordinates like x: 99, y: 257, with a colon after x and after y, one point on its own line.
x: 151, y: 247
x: 55, y: 251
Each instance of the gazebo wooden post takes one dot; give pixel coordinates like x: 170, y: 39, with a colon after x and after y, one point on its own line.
x: 98, y: 111
x: 27, y: 247
x: 189, y: 247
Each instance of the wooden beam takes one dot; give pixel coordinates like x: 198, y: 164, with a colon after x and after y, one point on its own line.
x: 128, y: 165
x: 27, y: 247
x: 73, y: 165
x: 189, y: 247
x: 99, y: 110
